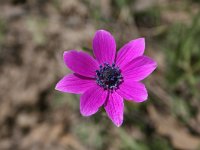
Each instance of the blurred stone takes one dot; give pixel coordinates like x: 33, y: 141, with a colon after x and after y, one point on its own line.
x: 15, y: 13
x: 25, y: 120
x: 177, y: 133
x: 5, y: 111
x: 70, y: 142
x: 5, y: 144
x: 70, y: 7
x: 181, y: 16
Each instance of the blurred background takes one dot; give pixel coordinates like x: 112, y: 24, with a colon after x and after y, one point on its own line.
x: 33, y: 36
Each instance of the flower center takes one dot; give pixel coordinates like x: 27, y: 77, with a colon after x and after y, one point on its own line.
x: 108, y: 76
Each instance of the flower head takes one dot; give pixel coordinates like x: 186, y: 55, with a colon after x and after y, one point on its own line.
x: 109, y: 78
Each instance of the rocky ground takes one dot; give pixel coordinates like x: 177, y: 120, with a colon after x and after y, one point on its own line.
x: 33, y: 36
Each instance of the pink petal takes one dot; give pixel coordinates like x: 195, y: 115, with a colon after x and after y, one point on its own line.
x: 114, y: 107
x: 74, y: 83
x: 104, y: 47
x: 130, y: 51
x: 139, y: 68
x: 81, y: 63
x: 134, y: 91
x: 92, y: 99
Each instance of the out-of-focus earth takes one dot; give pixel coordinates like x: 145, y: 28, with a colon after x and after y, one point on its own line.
x: 35, y: 33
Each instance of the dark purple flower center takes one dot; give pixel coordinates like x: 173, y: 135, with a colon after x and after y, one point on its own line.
x: 108, y: 76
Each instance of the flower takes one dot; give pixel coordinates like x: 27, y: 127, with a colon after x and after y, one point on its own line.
x: 109, y: 78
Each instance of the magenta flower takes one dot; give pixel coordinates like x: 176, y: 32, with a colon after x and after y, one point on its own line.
x: 109, y: 78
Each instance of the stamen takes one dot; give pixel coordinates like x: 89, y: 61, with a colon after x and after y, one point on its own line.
x: 109, y: 76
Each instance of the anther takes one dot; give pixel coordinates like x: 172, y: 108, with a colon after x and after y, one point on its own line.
x: 108, y: 76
